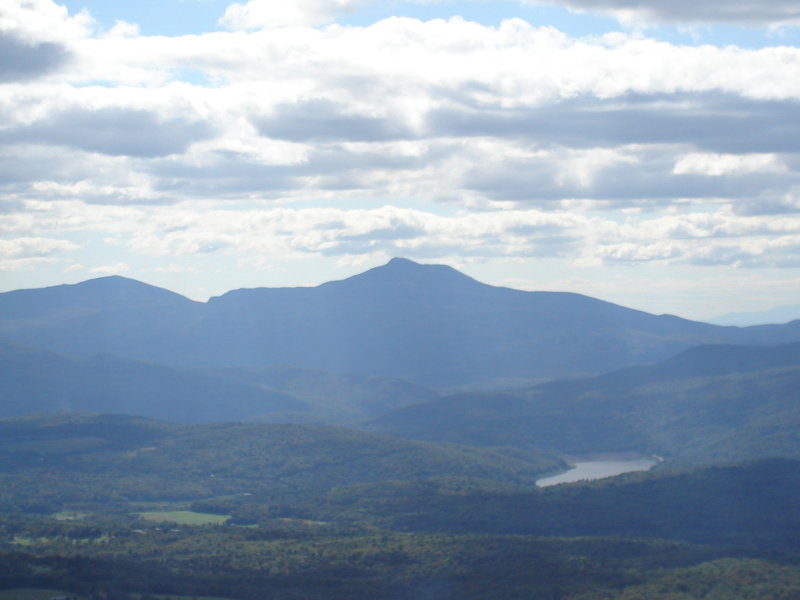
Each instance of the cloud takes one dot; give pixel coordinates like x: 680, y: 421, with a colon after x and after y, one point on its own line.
x: 120, y: 267
x: 636, y: 175
x: 37, y: 38
x: 257, y: 14
x: 48, y: 172
x: 524, y: 141
x: 42, y: 20
x: 753, y: 13
x: 722, y: 123
x: 387, y: 230
x: 33, y: 247
x: 720, y: 238
x: 114, y: 131
x: 324, y: 120
x: 20, y: 61
x: 718, y: 165
x: 268, y: 13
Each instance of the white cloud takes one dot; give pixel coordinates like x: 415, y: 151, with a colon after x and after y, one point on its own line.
x: 37, y: 39
x: 719, y: 238
x: 22, y: 253
x: 123, y: 29
x: 113, y: 131
x: 116, y: 269
x: 540, y: 140
x: 34, y: 247
x: 43, y: 20
x: 270, y: 13
x: 740, y: 12
x: 717, y: 165
x: 267, y: 14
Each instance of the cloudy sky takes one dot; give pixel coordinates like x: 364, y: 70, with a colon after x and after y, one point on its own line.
x: 646, y: 152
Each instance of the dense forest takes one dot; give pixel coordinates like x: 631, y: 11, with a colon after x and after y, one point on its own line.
x: 121, y: 507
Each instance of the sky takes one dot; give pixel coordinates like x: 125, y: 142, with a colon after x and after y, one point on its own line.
x: 646, y: 152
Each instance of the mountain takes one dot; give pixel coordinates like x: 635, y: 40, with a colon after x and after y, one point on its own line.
x: 778, y: 314
x: 113, y: 315
x: 706, y: 405
x: 426, y: 323
x: 34, y: 381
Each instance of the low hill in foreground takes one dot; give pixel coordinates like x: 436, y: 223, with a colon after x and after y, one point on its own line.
x: 751, y: 503
x: 331, y: 514
x: 72, y: 458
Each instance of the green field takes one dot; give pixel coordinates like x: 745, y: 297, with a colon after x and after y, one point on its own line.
x: 69, y: 515
x: 184, y: 517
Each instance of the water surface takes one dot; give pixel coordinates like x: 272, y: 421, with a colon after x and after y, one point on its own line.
x: 598, y: 468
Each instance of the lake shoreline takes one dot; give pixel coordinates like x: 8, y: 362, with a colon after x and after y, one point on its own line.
x: 589, y: 467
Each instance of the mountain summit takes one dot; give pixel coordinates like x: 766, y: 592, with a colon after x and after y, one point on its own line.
x: 427, y: 323
x: 405, y: 272
x: 101, y: 294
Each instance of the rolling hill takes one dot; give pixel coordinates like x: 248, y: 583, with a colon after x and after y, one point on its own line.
x: 708, y: 404
x: 76, y: 458
x: 755, y: 501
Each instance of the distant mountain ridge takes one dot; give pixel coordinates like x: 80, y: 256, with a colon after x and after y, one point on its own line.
x: 425, y: 323
x: 778, y: 314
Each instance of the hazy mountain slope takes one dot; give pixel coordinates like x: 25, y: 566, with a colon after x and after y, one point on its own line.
x: 778, y: 314
x: 105, y: 458
x: 690, y: 408
x: 333, y: 397
x: 433, y: 324
x: 112, y: 315
x: 427, y: 323
x: 33, y: 380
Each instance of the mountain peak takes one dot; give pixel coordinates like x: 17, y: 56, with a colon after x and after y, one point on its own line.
x: 400, y: 265
x: 103, y: 293
x: 109, y: 281
x: 399, y: 261
x: 117, y: 287
x: 408, y: 274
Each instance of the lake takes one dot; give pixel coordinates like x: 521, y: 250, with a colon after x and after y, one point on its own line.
x: 598, y: 467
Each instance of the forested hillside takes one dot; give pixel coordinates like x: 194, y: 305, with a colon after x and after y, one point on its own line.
x: 710, y: 404
x: 79, y: 517
x: 50, y: 462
